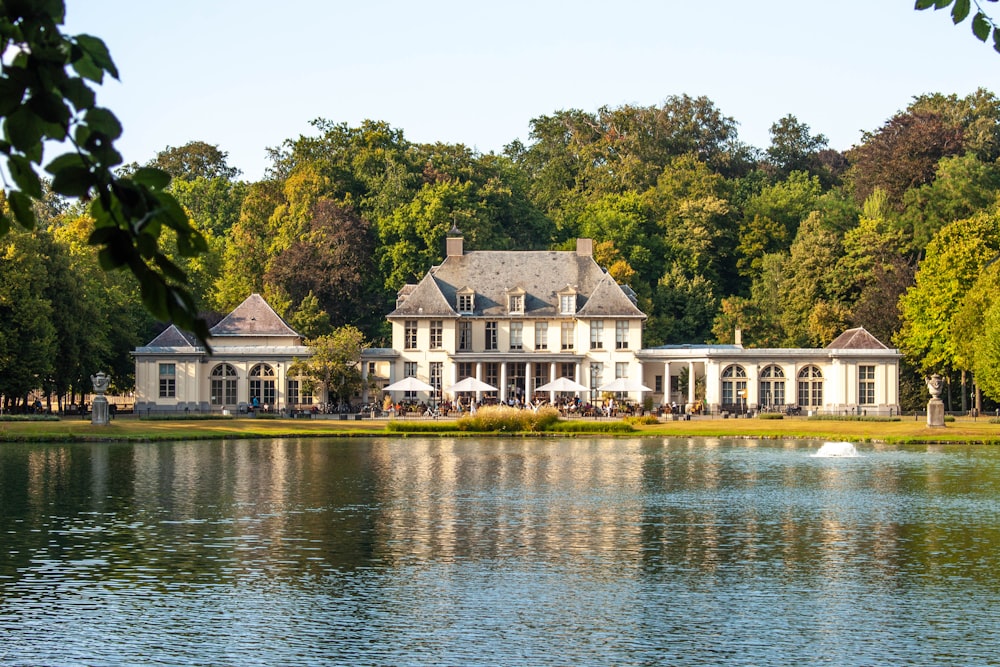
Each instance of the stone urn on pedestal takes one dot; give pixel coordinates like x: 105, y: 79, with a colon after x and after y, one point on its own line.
x: 935, y: 406
x: 99, y: 414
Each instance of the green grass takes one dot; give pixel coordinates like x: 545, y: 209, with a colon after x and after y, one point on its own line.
x: 901, y: 431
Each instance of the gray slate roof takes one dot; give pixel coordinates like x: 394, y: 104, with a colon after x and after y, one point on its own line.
x: 541, y: 274
x: 856, y: 339
x: 174, y: 337
x: 253, y: 317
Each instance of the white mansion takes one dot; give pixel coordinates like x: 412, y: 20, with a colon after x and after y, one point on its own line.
x: 517, y: 321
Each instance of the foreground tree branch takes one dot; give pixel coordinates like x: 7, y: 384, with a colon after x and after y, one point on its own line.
x: 46, y: 96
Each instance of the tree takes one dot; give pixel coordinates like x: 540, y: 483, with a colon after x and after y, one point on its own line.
x: 771, y: 219
x: 793, y: 148
x: 809, y: 292
x: 954, y: 260
x: 195, y: 160
x: 962, y: 186
x: 28, y: 337
x: 333, y: 262
x: 46, y: 96
x: 335, y: 364
x: 902, y: 154
x: 982, y: 25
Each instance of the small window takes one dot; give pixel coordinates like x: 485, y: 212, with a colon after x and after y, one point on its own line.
x: 866, y: 385
x: 410, y: 335
x: 464, y: 335
x: 566, y: 335
x: 466, y: 301
x: 567, y: 304
x: 491, y: 335
x: 437, y: 334
x: 168, y: 381
x: 541, y: 336
x: 621, y: 335
x: 596, y: 334
x: 515, y: 304
x: 517, y: 335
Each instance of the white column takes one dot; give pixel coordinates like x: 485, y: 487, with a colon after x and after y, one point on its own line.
x: 479, y: 376
x: 691, y: 384
x: 503, y: 381
x: 529, y: 381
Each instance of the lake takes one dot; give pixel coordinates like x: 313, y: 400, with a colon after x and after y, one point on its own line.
x: 645, y: 551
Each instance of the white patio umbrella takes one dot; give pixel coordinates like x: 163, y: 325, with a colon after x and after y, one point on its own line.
x: 562, y: 384
x: 623, y: 384
x: 409, y: 384
x: 470, y: 384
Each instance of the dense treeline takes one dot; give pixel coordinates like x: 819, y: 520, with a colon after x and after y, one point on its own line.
x: 792, y: 243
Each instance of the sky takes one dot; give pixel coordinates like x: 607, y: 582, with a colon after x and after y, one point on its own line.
x: 246, y: 75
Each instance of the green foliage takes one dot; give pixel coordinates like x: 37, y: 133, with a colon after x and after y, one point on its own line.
x: 646, y: 420
x: 335, y: 364
x: 770, y: 415
x: 982, y: 25
x: 502, y: 418
x: 955, y: 258
x: 29, y: 418
x: 853, y: 418
x: 420, y: 426
x: 582, y: 426
x: 46, y: 96
x: 172, y: 416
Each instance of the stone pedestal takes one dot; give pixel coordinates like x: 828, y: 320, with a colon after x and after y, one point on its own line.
x: 935, y: 412
x: 99, y: 411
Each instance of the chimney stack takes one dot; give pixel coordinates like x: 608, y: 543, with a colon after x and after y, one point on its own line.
x: 454, y: 242
x: 585, y: 247
x: 738, y: 337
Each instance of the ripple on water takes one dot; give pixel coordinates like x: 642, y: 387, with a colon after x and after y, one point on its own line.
x: 531, y: 553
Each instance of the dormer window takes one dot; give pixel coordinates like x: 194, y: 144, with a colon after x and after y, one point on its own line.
x: 567, y: 302
x: 515, y: 301
x: 466, y: 301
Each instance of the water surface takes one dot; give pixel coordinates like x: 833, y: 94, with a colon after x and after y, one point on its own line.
x: 531, y: 552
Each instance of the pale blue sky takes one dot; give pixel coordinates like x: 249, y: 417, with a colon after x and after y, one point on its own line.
x: 247, y: 74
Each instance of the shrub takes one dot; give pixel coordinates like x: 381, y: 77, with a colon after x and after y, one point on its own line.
x: 853, y: 418
x: 582, y: 426
x: 29, y: 418
x: 770, y: 415
x: 174, y: 416
x: 645, y: 419
x: 505, y: 418
x: 402, y: 426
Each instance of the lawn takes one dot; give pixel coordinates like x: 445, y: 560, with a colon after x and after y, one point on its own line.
x: 909, y: 430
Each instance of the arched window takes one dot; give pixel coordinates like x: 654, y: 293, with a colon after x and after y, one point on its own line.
x: 262, y: 386
x: 223, y: 385
x: 811, y: 387
x: 772, y: 387
x: 734, y: 385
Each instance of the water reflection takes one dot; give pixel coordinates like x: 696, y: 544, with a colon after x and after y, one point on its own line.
x: 645, y: 551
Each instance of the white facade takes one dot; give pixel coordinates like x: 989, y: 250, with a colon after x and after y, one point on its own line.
x: 516, y: 321
x: 855, y: 374
x: 252, y: 349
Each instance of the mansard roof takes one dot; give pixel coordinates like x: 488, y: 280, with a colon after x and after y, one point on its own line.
x: 541, y: 274
x: 856, y: 339
x: 253, y: 317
